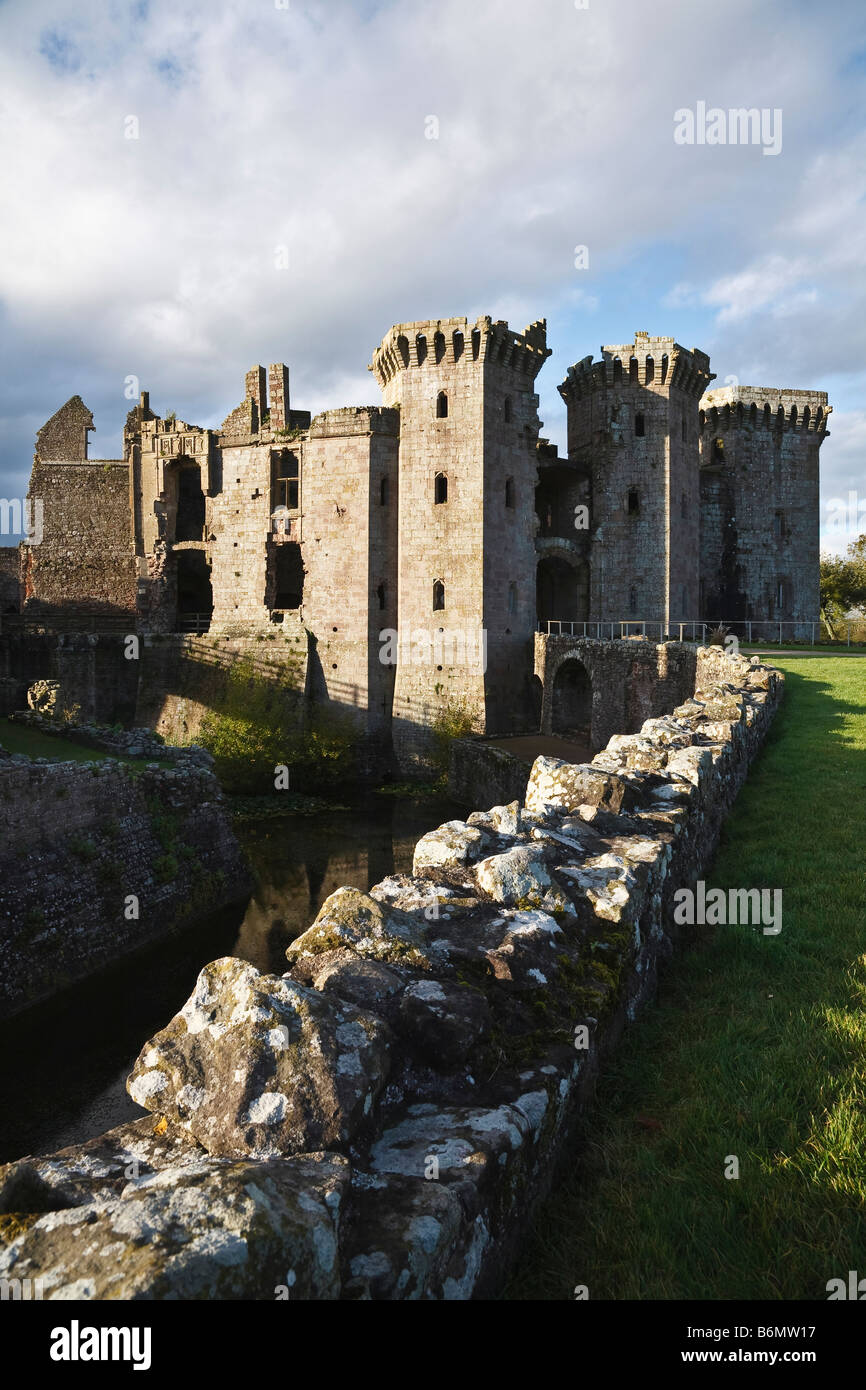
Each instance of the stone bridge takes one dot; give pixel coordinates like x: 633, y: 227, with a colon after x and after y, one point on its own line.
x: 590, y: 689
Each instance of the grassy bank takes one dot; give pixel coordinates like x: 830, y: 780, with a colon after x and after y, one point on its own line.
x: 756, y: 1048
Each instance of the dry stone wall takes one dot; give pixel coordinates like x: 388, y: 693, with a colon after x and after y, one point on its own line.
x: 403, y: 1093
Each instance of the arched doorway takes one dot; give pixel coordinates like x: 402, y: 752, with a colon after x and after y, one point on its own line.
x: 562, y: 590
x: 572, y: 701
x: 194, y: 592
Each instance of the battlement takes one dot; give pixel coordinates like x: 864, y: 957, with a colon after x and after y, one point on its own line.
x: 432, y: 341
x: 355, y: 419
x: 764, y: 407
x: 659, y: 362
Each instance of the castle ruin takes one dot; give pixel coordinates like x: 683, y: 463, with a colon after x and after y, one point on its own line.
x: 414, y: 548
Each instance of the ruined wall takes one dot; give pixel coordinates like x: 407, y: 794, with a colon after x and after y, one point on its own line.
x: 760, y: 503
x: 348, y: 537
x: 76, y: 839
x: 84, y: 566
x: 9, y: 588
x: 445, y: 1032
x: 182, y: 678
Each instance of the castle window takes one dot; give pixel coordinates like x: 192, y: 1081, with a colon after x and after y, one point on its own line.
x: 633, y: 501
x: 421, y: 348
x: 649, y: 370
x: 664, y: 367
x: 476, y: 343
x: 441, y: 406
x: 458, y: 345
x: 684, y: 428
x: 684, y: 506
x: 617, y: 370
x: 438, y: 346
x: 403, y: 349
x: 779, y: 526
x: 507, y: 409
x: 512, y: 597
x: 384, y: 490
x: 632, y: 599
x: 639, y: 426
x: 285, y: 480
x: 381, y: 595
x: 509, y: 492
x: 718, y: 451
x: 632, y: 369
x: 438, y: 596
x: 440, y: 488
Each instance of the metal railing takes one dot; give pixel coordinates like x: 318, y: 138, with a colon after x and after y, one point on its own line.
x: 749, y: 631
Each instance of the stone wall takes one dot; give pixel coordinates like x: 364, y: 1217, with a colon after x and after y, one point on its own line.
x: 83, y: 566
x: 401, y: 1098
x: 9, y: 592
x: 77, y: 839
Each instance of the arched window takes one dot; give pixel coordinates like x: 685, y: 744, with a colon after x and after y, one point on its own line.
x: 632, y: 369
x: 617, y: 370
x: 507, y: 409
x: 512, y: 597
x: 664, y: 367
x: 632, y: 599
x: 458, y: 345
x: 440, y: 488
x: 381, y: 594
x: 476, y: 343
x: 441, y: 406
x: 438, y: 346
x: 384, y: 491
x: 718, y: 451
x: 649, y: 370
x: 438, y: 596
x: 421, y: 348
x: 633, y: 501
x: 639, y: 426
x: 509, y: 492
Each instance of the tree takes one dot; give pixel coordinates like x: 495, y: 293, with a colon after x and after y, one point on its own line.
x: 843, y: 584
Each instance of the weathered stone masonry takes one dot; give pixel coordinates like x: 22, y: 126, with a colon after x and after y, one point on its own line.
x: 379, y: 1122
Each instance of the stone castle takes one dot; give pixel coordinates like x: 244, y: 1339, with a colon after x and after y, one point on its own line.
x: 440, y: 517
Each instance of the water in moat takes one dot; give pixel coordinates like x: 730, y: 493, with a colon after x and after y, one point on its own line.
x: 66, y: 1061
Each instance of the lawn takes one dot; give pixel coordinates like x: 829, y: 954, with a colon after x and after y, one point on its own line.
x: 17, y: 738
x: 755, y: 1048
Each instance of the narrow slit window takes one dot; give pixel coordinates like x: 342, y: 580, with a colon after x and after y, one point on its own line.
x: 440, y: 488
x: 639, y: 425
x: 441, y: 406
x: 438, y: 596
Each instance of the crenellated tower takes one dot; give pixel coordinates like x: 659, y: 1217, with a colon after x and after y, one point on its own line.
x: 466, y: 560
x: 633, y: 421
x: 760, y: 517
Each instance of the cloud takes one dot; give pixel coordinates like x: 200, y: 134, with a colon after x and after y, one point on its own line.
x: 300, y: 135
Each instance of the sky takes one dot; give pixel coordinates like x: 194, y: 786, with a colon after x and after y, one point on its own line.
x: 191, y: 188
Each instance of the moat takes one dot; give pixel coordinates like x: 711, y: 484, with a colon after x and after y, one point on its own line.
x: 73, y: 1054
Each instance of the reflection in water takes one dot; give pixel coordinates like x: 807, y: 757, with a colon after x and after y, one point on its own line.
x: 65, y: 1063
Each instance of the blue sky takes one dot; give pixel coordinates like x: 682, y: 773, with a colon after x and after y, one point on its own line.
x: 303, y: 125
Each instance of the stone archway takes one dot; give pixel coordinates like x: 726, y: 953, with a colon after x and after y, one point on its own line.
x: 571, y: 713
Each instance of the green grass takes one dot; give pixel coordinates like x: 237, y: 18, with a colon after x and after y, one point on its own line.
x: 17, y: 738
x: 756, y: 1047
